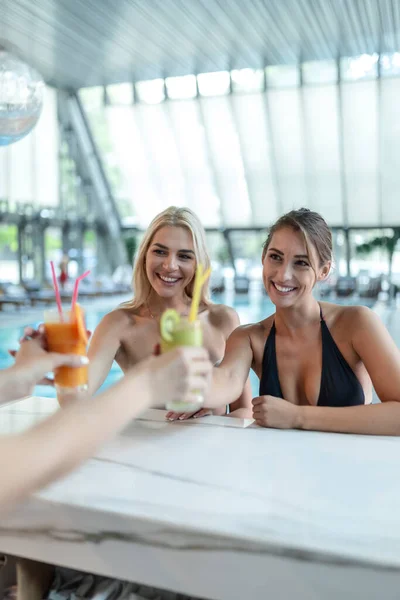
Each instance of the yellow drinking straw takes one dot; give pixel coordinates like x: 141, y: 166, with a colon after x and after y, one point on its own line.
x: 199, y: 281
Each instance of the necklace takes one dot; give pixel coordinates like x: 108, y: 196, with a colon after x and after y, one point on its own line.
x: 150, y: 313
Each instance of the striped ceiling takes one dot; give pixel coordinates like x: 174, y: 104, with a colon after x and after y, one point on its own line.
x: 77, y: 43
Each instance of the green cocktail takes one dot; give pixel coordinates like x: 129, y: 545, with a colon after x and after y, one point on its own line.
x: 178, y: 331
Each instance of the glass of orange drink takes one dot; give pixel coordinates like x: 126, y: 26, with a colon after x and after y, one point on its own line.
x: 66, y: 334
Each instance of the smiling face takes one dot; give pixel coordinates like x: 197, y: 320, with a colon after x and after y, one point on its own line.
x: 171, y: 261
x: 290, y: 271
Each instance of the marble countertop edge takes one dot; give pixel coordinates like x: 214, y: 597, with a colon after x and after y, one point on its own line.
x: 186, y: 537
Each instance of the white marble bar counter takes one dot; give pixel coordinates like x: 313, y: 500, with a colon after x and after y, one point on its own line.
x: 221, y: 512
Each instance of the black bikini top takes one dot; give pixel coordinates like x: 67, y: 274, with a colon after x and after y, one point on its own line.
x: 339, y: 384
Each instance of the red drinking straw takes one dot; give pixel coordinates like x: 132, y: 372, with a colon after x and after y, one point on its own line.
x: 76, y: 286
x: 56, y: 290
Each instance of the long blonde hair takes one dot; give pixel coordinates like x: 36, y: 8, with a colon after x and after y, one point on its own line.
x: 173, y: 216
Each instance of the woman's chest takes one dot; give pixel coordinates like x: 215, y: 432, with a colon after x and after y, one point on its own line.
x: 299, y: 369
x: 139, y: 342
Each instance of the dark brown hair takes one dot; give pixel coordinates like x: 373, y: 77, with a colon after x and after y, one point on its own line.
x: 314, y: 229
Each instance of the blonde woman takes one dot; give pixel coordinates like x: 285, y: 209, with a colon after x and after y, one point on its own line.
x: 163, y: 278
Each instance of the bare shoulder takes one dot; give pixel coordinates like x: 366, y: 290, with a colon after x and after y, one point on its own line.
x: 255, y: 331
x: 362, y: 318
x: 117, y: 320
x: 349, y: 318
x: 109, y: 333
x: 223, y: 317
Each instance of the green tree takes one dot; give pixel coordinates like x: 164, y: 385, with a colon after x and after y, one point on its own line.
x: 8, y: 238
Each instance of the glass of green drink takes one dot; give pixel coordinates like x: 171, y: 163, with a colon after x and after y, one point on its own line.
x: 178, y: 331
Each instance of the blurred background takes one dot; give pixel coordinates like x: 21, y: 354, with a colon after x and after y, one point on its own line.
x: 238, y: 110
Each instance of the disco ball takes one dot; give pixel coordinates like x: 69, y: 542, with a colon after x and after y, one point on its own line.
x: 21, y: 98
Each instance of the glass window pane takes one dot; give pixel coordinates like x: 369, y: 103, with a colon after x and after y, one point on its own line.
x: 100, y: 118
x: 150, y: 92
x: 45, y: 144
x: 179, y: 88
x: 390, y: 64
x: 120, y: 94
x: 320, y: 71
x: 191, y: 140
x: 160, y: 149
x: 140, y: 180
x: 390, y: 150
x: 289, y: 148
x: 21, y: 189
x: 248, y: 80
x: 360, y: 124
x: 283, y: 76
x: 227, y: 161
x: 214, y: 84
x: 251, y: 119
x: 321, y: 126
x: 359, y: 67
x: 92, y: 97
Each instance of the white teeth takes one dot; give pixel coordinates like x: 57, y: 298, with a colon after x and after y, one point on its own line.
x: 283, y: 289
x: 167, y: 279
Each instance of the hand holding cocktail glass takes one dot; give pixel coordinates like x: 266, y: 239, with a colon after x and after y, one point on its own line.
x: 32, y: 362
x: 66, y: 334
x: 177, y: 331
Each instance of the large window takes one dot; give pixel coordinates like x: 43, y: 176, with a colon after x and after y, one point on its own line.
x: 109, y: 111
x: 242, y: 147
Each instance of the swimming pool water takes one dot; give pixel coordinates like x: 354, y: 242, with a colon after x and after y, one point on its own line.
x: 251, y: 308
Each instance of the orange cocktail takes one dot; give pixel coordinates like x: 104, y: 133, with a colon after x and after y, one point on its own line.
x: 68, y: 336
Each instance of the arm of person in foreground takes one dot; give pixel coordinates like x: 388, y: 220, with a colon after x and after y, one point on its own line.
x: 57, y: 445
x: 381, y: 358
x: 30, y: 333
x: 32, y: 363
